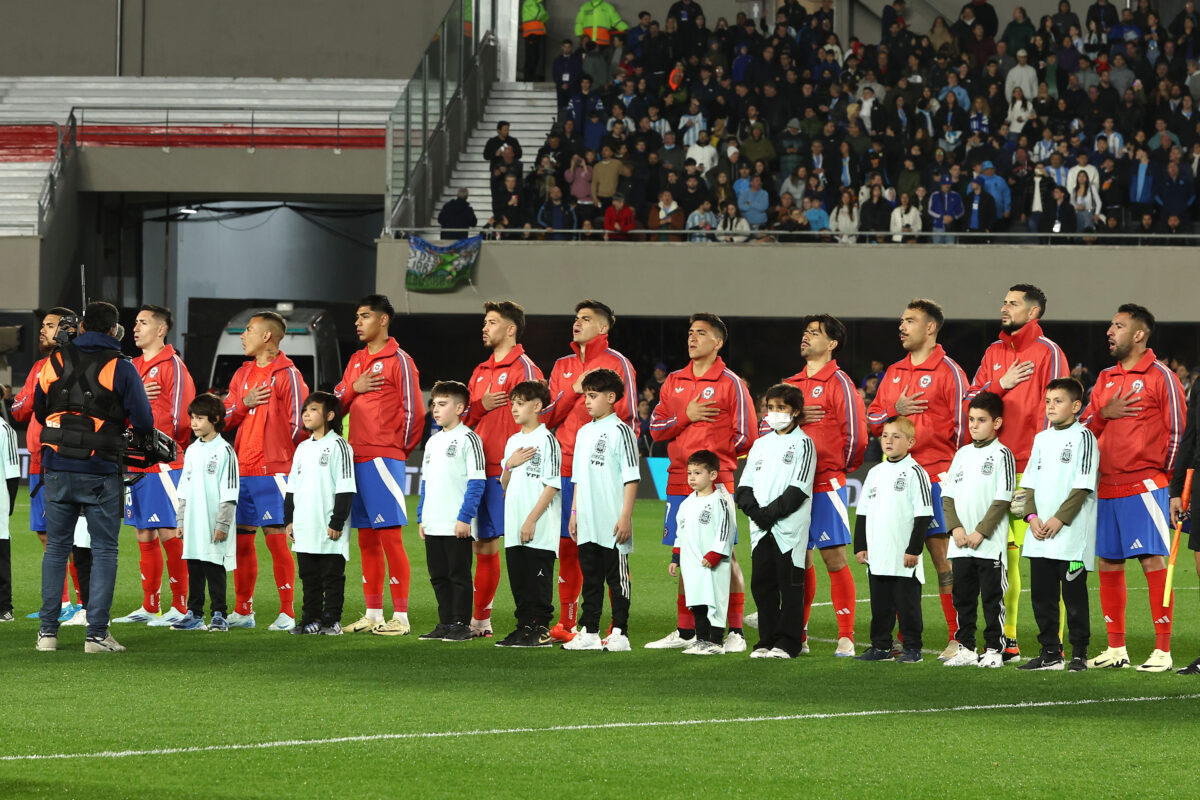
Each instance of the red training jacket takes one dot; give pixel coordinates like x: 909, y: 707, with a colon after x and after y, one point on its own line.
x: 841, y: 436
x: 283, y: 427
x: 387, y: 423
x: 22, y: 411
x: 496, y: 426
x: 624, y: 218
x: 177, y: 391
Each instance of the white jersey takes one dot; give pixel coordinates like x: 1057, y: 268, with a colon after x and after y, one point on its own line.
x: 452, y: 458
x: 10, y: 467
x: 606, y: 458
x: 893, y: 495
x: 775, y: 463
x: 978, y: 476
x: 210, y: 477
x: 705, y: 525
x: 525, y: 486
x: 1059, y: 462
x: 321, y: 469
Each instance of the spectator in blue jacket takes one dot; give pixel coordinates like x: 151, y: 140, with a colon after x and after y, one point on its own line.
x: 584, y: 102
x: 753, y: 202
x: 1174, y: 193
x: 567, y: 70
x: 997, y: 187
x: 555, y: 215
x: 946, y: 209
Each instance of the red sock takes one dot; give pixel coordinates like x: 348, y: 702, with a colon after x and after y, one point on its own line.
x: 66, y: 596
x: 947, y: 599
x: 74, y: 579
x: 285, y: 571
x: 570, y: 582
x: 1157, y: 581
x: 246, y: 574
x: 1112, y: 602
x: 487, y: 578
x: 397, y: 565
x: 370, y: 546
x: 841, y: 591
x: 151, y: 562
x: 810, y: 593
x: 737, y: 604
x: 177, y: 573
x: 684, y: 617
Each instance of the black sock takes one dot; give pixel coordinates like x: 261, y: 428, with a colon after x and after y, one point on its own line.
x: 687, y: 633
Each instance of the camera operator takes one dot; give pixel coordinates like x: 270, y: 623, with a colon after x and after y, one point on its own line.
x: 86, y: 392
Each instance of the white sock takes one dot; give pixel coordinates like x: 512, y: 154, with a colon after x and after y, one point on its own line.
x: 402, y: 616
x: 375, y: 614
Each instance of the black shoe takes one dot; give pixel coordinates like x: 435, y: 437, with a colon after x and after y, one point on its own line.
x: 538, y: 637
x: 1011, y: 650
x: 6, y: 616
x: 306, y: 629
x: 875, y: 654
x: 457, y: 632
x: 1046, y: 660
x: 436, y: 634
x: 514, y: 638
x: 1079, y: 664
x: 1191, y: 669
x: 910, y: 657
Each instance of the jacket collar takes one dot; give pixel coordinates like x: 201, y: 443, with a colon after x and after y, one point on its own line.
x: 714, y: 372
x: 390, y: 347
x: 1029, y: 333
x: 929, y: 364
x: 166, y: 354
x: 1143, y: 365
x: 596, y: 345
x: 90, y: 341
x: 824, y: 374
x: 509, y: 359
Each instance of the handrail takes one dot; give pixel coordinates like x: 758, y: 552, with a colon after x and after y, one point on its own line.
x: 64, y: 150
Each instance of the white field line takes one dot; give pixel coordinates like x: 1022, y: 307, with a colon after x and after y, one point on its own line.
x: 381, y: 737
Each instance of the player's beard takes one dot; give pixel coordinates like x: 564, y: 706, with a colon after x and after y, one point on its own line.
x: 1120, y: 351
x: 1011, y: 327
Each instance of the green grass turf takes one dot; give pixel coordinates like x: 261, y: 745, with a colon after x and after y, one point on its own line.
x: 202, y: 689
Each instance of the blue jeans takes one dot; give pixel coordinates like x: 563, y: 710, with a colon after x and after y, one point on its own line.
x: 943, y: 238
x: 101, y: 499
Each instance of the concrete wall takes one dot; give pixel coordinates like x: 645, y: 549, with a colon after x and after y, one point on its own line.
x: 860, y: 282
x: 19, y: 260
x: 219, y: 38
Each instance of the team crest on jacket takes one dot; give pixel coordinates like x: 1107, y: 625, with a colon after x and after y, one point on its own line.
x: 598, y: 451
x: 154, y: 372
x: 901, y: 482
x: 1138, y: 385
x: 377, y: 367
x: 708, y: 392
x: 925, y: 380
x: 452, y: 450
x: 324, y: 458
x: 211, y: 467
x: 988, y: 467
x: 705, y: 515
x: 816, y: 392
x: 790, y: 455
x: 503, y: 377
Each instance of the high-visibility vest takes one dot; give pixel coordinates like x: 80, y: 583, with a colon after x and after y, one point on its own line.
x: 597, y: 21
x: 533, y: 18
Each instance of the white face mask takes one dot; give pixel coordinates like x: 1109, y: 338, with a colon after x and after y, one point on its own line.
x: 779, y: 420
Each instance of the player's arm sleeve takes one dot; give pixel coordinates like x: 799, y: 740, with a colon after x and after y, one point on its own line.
x: 289, y: 508
x: 1187, y: 447
x: 860, y: 532
x: 342, y: 464
x: 665, y: 426
x: 982, y: 382
x: 1174, y: 408
x: 476, y: 478
x: 341, y: 510
x: 1071, y: 507
x: 552, y: 462
x: 631, y: 472
x: 996, y: 513
x: 725, y: 529
x: 949, y: 512
x: 129, y: 387
x: 1088, y: 474
x: 958, y: 403
x: 475, y: 409
x: 626, y: 408
x: 225, y: 515
x: 1091, y: 416
x: 12, y: 494
x: 420, y: 501
x: 562, y: 394
x: 22, y: 407
x: 235, y: 410
x: 228, y: 478
x: 786, y: 504
x: 916, y: 540
x: 295, y: 391
x: 854, y: 424
x: 414, y: 404
x: 745, y: 420
x: 344, y: 391
x: 185, y: 393
x: 880, y: 411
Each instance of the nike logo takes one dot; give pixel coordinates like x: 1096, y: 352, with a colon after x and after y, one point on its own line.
x: 1073, y: 574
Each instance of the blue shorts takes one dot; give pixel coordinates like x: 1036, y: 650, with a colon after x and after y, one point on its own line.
x: 938, y: 523
x: 568, y: 496
x: 260, y: 501
x: 37, y: 504
x: 151, y: 502
x: 1131, y: 527
x: 379, y: 494
x: 830, y: 525
x: 490, y: 519
x: 673, y: 502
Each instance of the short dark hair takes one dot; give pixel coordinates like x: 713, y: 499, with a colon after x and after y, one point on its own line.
x: 455, y: 390
x: 59, y: 311
x: 328, y: 402
x: 100, y: 317
x: 210, y: 406
x: 1072, y: 387
x: 1032, y: 295
x: 502, y: 123
x: 713, y: 321
x: 705, y: 458
x: 929, y: 309
x: 161, y: 313
x: 531, y: 390
x: 276, y: 322
x: 989, y: 402
x: 834, y: 328
x: 508, y: 310
x: 604, y: 380
x: 600, y: 308
x: 788, y: 394
x: 1140, y: 314
x: 380, y: 304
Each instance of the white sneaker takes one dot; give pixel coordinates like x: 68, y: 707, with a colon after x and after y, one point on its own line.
x: 617, y: 642
x: 1159, y: 661
x: 845, y: 647
x: 991, y: 659
x: 963, y: 657
x: 282, y: 623
x: 672, y: 641
x: 237, y: 620
x: 79, y: 618
x: 141, y: 616
x: 1112, y: 658
x: 760, y: 652
x: 585, y: 640
x: 951, y: 650
x: 734, y: 643
x: 750, y: 620
x: 703, y: 647
x: 778, y: 652
x: 169, y: 618
x: 106, y: 645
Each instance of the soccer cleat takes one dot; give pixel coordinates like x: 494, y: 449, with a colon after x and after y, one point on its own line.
x: 68, y: 611
x: 1112, y: 658
x: 237, y: 620
x: 6, y: 616
x: 875, y: 654
x: 760, y: 652
x: 481, y: 628
x: 141, y: 616
x: 458, y: 632
x: 218, y: 623
x: 393, y: 627
x: 845, y: 647
x: 735, y: 643
x: 1191, y: 669
x: 79, y: 618
x: 910, y: 656
x: 47, y: 642
x: 169, y: 618
x: 363, y: 624
x: 94, y: 644
x: 307, y: 629
x: 963, y: 657
x: 950, y: 652
x: 704, y: 648
x: 561, y: 635
x: 618, y: 642
x: 1046, y: 660
x: 672, y: 641
x: 1078, y: 664
x: 991, y: 659
x: 34, y: 615
x: 282, y: 623
x: 1011, y: 650
x: 514, y: 637
x: 750, y: 620
x: 1159, y: 661
x: 331, y: 630
x: 436, y: 634
x: 584, y: 640
x: 190, y: 622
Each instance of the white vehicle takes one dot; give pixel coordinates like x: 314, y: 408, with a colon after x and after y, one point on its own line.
x: 311, y: 342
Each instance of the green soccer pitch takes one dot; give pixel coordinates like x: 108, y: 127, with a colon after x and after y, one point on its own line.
x: 251, y: 713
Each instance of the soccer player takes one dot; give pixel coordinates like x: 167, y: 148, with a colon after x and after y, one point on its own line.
x: 1136, y: 412
x: 452, y: 486
x: 381, y: 392
x: 976, y: 496
x: 892, y: 516
x: 208, y: 493
x: 705, y: 528
x: 565, y: 414
x: 1060, y: 485
x: 836, y: 420
x: 489, y: 416
x: 150, y: 503
x: 704, y: 406
x: 531, y: 481
x: 776, y: 484
x: 264, y: 405
x: 317, y: 513
x: 10, y: 473
x: 1018, y: 366
x: 929, y: 388
x: 602, y: 513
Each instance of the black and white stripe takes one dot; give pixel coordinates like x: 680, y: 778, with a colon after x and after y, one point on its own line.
x: 922, y: 480
x: 1087, y: 451
x: 553, y: 457
x: 804, y: 464
x: 623, y: 573
x: 726, y: 526
x: 231, y: 467
x: 1009, y: 475
x: 629, y: 444
x: 10, y: 455
x: 476, y: 447
x: 347, y: 459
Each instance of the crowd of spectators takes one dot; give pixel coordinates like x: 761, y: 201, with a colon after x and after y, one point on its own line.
x: 698, y: 129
